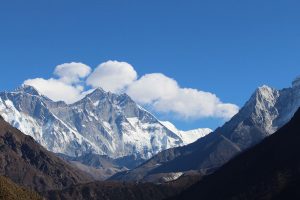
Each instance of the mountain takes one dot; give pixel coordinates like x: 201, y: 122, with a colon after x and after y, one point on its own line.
x: 102, y: 167
x: 269, y: 170
x: 267, y: 110
x: 187, y: 136
x: 101, y: 123
x: 11, y: 191
x: 27, y: 163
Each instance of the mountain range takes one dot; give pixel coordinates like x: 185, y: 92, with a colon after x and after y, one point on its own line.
x: 243, y: 159
x: 269, y: 170
x: 101, y: 123
x: 265, y: 112
x: 29, y: 167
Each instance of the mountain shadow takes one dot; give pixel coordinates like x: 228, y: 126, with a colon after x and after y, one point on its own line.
x: 269, y: 170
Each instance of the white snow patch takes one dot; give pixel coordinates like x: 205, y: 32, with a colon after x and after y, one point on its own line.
x: 187, y: 136
x: 172, y: 176
x: 96, y: 103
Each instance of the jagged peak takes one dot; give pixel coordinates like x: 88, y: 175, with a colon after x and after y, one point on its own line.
x: 296, y: 82
x: 28, y: 89
x: 96, y: 94
x: 262, y: 95
x: 265, y: 92
x: 100, y: 92
x: 264, y: 88
x: 125, y: 96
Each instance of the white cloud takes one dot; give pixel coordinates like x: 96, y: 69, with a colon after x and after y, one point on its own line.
x: 67, y: 87
x: 164, y: 95
x: 72, y: 72
x: 152, y: 87
x: 226, y: 110
x: 156, y: 90
x: 112, y: 76
x: 56, y: 89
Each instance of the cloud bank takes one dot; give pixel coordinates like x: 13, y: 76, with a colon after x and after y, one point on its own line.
x: 112, y: 76
x: 69, y: 86
x: 163, y: 94
x: 72, y: 72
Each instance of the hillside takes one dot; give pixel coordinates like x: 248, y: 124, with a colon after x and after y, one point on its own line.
x: 11, y: 191
x: 270, y: 170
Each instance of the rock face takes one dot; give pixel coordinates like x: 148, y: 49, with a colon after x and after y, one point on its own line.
x: 101, y: 123
x: 27, y: 163
x: 269, y: 170
x: 101, y: 167
x: 267, y: 110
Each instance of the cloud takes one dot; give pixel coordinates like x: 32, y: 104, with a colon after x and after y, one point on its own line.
x: 56, y: 89
x: 152, y: 87
x: 68, y: 87
x: 72, y: 72
x: 165, y: 95
x: 112, y: 76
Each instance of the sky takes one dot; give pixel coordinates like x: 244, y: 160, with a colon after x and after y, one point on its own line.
x: 209, y: 56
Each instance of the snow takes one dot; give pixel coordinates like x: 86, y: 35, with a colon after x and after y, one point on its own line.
x: 96, y: 103
x: 107, y: 126
x: 156, y: 138
x: 118, y: 127
x: 172, y: 176
x: 133, y: 121
x: 170, y: 126
x: 80, y: 128
x: 187, y: 136
x: 93, y: 115
x: 20, y: 121
x: 266, y: 99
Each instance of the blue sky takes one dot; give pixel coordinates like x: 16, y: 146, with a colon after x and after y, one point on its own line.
x: 224, y: 47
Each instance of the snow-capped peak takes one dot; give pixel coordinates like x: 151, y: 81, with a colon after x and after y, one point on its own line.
x: 187, y: 136
x: 98, y: 92
x: 102, y: 123
x: 266, y: 92
x: 267, y: 110
x: 28, y: 89
x: 264, y: 97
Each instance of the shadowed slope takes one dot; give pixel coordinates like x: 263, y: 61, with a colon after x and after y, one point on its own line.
x: 120, y: 191
x: 270, y: 170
